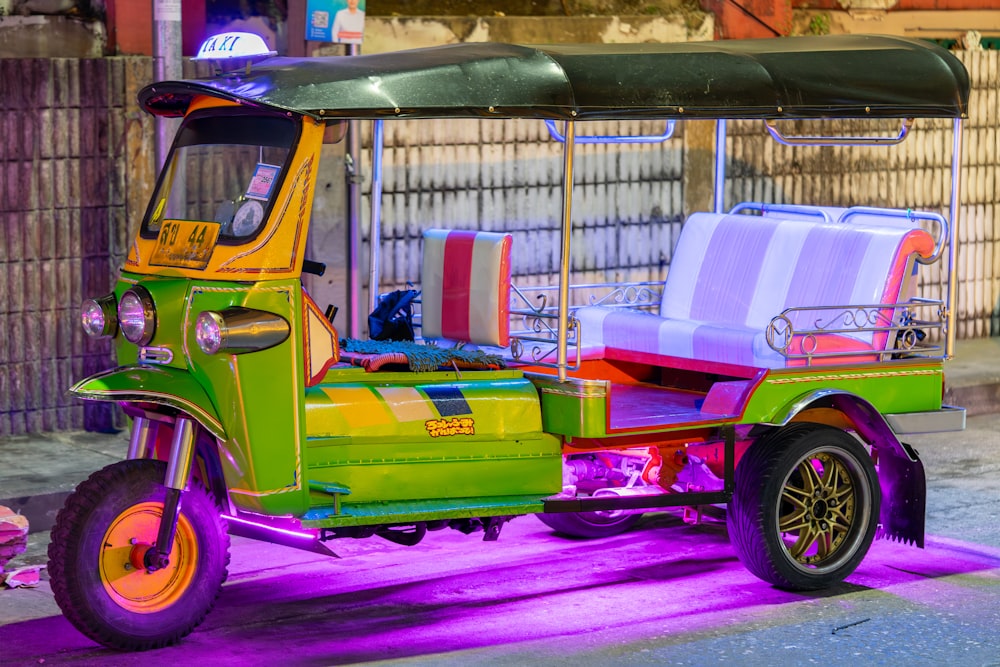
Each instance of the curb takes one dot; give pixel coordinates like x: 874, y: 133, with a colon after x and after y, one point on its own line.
x: 40, y: 510
x: 980, y: 399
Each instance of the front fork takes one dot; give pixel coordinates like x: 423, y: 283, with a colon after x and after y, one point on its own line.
x: 178, y: 472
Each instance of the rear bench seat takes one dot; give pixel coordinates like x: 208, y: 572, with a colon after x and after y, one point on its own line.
x: 731, y: 274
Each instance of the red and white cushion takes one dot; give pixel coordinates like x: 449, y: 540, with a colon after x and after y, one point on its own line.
x: 465, y: 286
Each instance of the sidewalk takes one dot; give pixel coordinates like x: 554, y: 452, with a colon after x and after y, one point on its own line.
x: 38, y: 471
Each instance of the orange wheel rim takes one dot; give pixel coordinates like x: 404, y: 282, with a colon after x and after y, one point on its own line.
x: 127, y: 538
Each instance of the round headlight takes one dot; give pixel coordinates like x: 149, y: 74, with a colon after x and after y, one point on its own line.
x: 98, y: 316
x: 136, y: 315
x: 208, y: 332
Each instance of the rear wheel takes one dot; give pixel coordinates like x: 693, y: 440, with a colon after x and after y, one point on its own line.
x: 805, y: 507
x: 96, y: 558
x: 590, y: 524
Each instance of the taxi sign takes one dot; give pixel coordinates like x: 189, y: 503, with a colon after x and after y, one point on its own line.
x: 231, y: 45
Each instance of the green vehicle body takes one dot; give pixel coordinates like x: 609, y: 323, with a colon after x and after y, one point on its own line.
x: 356, y: 448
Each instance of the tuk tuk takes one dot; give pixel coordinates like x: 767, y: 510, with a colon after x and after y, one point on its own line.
x: 771, y: 376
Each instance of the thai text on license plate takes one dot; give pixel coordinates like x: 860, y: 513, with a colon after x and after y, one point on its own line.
x: 185, y: 244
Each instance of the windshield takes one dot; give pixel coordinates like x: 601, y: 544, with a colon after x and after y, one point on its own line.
x: 223, y: 173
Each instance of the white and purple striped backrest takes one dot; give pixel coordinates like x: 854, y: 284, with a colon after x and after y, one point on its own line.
x: 722, y: 268
x: 465, y: 286
x: 744, y: 270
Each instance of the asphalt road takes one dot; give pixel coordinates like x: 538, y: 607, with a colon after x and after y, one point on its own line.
x: 664, y: 593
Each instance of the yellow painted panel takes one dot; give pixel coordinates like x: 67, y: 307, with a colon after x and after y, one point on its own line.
x: 359, y: 406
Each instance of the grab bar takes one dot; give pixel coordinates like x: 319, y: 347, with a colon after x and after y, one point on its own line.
x: 904, y: 129
x: 944, y: 229
x: 781, y: 208
x: 668, y: 131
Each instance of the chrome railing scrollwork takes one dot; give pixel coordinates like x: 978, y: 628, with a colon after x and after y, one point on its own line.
x: 534, y: 316
x: 797, y: 333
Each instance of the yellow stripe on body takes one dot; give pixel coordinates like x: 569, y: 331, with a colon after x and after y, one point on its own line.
x: 359, y: 406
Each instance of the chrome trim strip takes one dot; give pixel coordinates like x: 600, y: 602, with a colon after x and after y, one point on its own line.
x: 579, y: 387
x: 156, y: 355
x: 138, y: 396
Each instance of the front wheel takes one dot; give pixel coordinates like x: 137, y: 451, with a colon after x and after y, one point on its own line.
x: 805, y: 507
x: 96, y: 558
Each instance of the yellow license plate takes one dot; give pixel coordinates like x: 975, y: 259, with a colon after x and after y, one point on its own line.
x: 185, y: 244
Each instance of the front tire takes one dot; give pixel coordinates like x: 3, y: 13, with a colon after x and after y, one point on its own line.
x: 805, y: 507
x: 95, y: 558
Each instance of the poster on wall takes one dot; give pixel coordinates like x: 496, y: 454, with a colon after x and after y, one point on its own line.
x: 341, y: 21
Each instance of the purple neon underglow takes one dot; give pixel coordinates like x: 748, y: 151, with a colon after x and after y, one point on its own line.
x: 270, y: 528
x: 531, y: 595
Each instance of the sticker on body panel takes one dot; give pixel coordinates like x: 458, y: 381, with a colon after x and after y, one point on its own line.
x: 447, y: 427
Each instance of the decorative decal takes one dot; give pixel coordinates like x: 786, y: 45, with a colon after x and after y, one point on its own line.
x: 850, y: 376
x: 448, y: 400
x: 447, y: 427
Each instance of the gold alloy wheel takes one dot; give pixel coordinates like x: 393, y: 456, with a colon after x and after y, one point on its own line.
x: 818, y: 503
x: 123, y: 574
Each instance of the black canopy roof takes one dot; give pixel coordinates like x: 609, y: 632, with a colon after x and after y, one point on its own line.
x: 790, y: 77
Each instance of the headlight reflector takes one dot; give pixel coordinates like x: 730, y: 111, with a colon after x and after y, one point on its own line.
x: 208, y: 331
x: 136, y: 315
x: 98, y: 316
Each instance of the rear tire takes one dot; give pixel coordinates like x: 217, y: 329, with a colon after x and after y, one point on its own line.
x: 589, y: 524
x: 805, y: 507
x: 95, y: 558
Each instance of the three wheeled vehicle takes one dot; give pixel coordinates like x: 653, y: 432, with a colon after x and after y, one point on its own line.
x: 772, y: 374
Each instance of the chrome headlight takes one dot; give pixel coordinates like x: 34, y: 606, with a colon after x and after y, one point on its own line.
x: 208, y: 331
x: 99, y: 316
x: 237, y: 330
x: 136, y: 315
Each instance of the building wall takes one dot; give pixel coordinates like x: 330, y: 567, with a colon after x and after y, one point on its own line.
x: 63, y: 228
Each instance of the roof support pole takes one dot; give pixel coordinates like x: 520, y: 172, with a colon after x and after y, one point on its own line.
x: 375, y: 236
x: 352, y: 167
x: 565, y: 258
x: 955, y: 213
x: 720, y: 166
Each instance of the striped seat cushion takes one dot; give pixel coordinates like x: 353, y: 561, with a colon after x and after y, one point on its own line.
x: 465, y: 286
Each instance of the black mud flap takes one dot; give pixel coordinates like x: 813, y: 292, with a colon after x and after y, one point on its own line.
x: 904, y: 497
